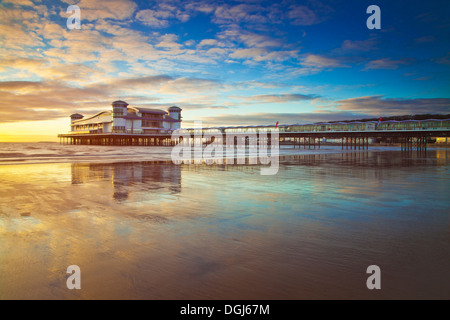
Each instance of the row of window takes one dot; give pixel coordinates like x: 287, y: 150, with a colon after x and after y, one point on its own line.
x: 91, y: 126
x: 119, y: 129
x: 152, y: 116
x: 117, y: 112
x: 151, y: 124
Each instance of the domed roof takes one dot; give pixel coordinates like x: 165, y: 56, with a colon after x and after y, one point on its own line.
x: 119, y: 102
x: 174, y: 108
x: 77, y: 115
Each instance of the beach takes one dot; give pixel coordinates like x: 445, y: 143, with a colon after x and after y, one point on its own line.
x: 141, y: 227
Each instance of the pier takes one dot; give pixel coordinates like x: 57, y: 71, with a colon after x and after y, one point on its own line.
x: 410, y: 134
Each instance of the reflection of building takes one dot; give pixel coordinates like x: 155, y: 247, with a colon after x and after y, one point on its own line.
x: 123, y: 176
x: 127, y: 120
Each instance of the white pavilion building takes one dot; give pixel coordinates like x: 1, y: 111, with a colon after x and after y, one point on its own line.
x: 127, y: 120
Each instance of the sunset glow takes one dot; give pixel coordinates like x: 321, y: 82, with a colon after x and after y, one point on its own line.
x: 223, y: 62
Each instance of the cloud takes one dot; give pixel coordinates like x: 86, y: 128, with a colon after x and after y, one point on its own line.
x: 263, y: 118
x: 302, y: 16
x: 254, y: 47
x: 52, y: 99
x: 257, y: 14
x: 201, y: 6
x: 14, y: 86
x: 320, y: 62
x: 258, y: 84
x: 19, y: 29
x: 92, y: 10
x: 208, y: 43
x: 189, y: 86
x: 385, y: 63
x: 278, y: 98
x: 21, y: 2
x: 425, y: 39
x: 261, y: 54
x: 162, y: 84
x: 235, y: 34
x: 443, y: 60
x: 241, y: 13
x: 251, y: 39
x: 42, y: 100
x: 162, y: 14
x: 155, y: 19
x: 148, y: 82
x: 378, y: 105
x: 347, y: 109
x: 313, y: 63
x: 33, y: 65
x: 252, y: 53
x: 357, y: 46
x: 169, y: 41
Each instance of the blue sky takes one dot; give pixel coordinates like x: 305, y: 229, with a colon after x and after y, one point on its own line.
x: 224, y: 62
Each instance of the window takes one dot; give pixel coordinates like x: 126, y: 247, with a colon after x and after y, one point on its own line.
x: 117, y: 112
x: 118, y: 129
x: 152, y: 124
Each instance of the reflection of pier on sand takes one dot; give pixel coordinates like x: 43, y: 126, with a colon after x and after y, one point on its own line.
x: 123, y: 175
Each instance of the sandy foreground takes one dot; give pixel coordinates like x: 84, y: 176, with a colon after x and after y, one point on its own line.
x: 139, y: 229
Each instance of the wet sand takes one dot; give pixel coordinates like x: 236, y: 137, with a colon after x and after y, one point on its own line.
x: 155, y: 230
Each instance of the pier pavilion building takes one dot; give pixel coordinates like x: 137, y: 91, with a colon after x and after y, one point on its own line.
x: 125, y: 119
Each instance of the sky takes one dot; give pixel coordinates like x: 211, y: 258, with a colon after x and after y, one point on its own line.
x: 245, y: 62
